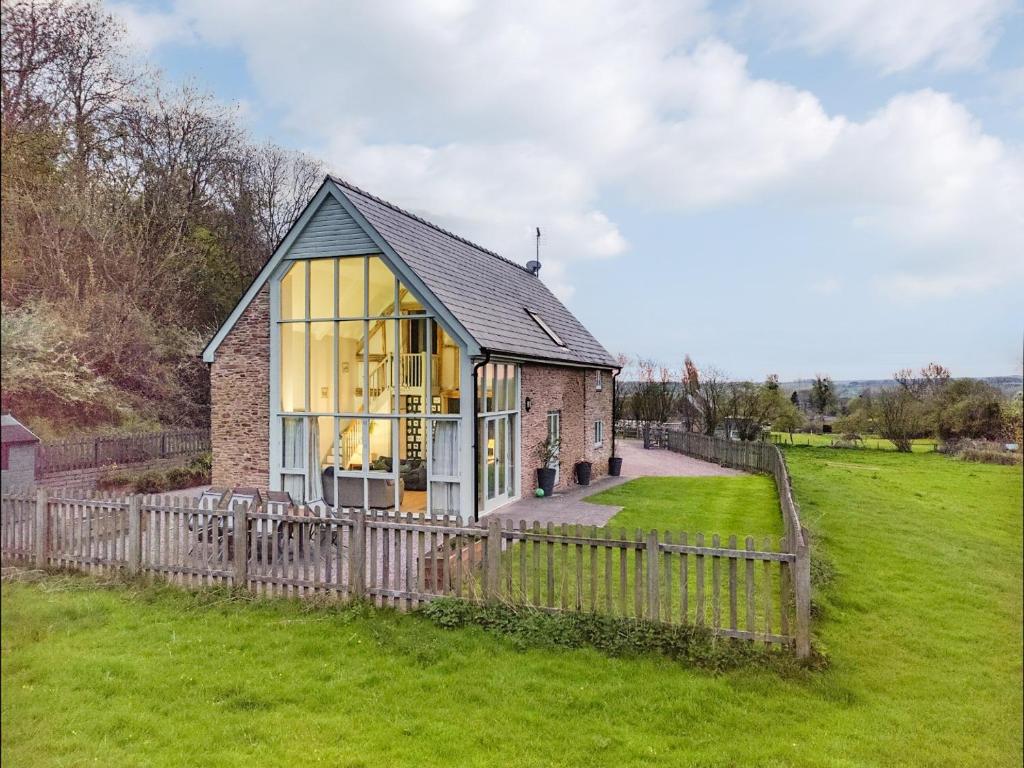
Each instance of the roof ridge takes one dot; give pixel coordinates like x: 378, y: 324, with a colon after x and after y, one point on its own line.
x: 421, y: 220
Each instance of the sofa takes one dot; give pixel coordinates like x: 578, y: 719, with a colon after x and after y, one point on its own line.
x: 413, y: 472
x: 381, y: 491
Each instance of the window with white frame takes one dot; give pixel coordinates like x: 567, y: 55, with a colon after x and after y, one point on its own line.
x: 600, y: 380
x: 368, y: 390
x: 598, y: 433
x: 497, y: 433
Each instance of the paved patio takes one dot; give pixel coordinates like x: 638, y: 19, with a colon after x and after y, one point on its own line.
x: 572, y: 507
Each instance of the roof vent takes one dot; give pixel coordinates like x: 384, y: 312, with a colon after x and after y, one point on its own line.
x: 534, y: 266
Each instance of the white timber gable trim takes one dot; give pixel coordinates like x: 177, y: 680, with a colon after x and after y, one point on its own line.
x: 332, y: 237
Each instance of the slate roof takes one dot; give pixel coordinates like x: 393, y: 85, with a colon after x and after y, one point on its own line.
x: 13, y: 431
x: 486, y: 292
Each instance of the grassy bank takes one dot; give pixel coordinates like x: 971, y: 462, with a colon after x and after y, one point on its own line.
x: 921, y: 618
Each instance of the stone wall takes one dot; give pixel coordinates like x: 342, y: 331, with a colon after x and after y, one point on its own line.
x: 573, y: 391
x: 240, y: 400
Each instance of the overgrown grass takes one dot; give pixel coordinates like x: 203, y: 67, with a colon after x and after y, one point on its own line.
x: 921, y: 620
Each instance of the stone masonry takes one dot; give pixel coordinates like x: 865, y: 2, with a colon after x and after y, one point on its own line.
x: 240, y: 400
x: 573, y: 391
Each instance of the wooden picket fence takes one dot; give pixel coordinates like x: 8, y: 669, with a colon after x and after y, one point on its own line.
x: 764, y: 457
x: 85, y: 453
x: 733, y: 588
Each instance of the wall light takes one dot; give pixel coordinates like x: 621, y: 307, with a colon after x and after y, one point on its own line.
x: 527, y: 403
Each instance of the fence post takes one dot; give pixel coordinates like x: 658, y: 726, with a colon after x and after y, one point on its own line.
x: 653, y: 582
x: 42, y: 526
x: 134, y: 533
x: 357, y: 556
x: 802, y: 590
x: 241, y: 537
x: 493, y: 558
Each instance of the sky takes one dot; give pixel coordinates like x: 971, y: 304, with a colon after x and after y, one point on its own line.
x: 772, y: 186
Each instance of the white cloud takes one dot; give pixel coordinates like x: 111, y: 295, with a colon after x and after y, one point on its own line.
x: 149, y: 29
x: 945, y: 195
x: 494, y: 118
x: 893, y: 36
x: 493, y: 194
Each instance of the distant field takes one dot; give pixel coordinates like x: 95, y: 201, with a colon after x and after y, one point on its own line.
x: 918, y: 599
x: 923, y: 445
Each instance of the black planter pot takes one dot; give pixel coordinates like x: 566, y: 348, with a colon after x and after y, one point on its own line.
x: 546, y: 480
x: 583, y: 470
x: 615, y: 466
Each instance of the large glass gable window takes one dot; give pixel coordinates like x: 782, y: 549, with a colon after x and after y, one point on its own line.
x: 368, y: 390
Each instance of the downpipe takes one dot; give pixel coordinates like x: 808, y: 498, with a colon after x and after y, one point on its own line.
x: 476, y: 436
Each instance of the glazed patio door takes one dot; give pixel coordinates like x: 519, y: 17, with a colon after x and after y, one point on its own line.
x: 498, y: 483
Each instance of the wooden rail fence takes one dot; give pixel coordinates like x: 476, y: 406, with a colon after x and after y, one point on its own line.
x: 85, y: 453
x: 733, y: 587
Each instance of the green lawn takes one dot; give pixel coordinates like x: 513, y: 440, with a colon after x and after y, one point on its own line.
x: 920, y: 445
x: 921, y: 619
x: 593, y: 578
x: 746, y: 505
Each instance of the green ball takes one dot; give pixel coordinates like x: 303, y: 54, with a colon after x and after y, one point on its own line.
x: 539, y: 492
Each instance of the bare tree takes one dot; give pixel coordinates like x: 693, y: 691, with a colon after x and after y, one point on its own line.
x: 751, y: 406
x: 653, y: 401
x: 279, y: 183
x: 707, y: 391
x: 899, y: 416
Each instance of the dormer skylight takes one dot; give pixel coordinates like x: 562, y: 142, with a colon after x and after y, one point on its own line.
x: 546, y: 328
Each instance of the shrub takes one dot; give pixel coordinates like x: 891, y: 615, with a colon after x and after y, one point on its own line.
x: 989, y: 456
x: 197, y: 472
x: 151, y: 481
x: 612, y: 635
x: 179, y: 477
x: 202, y: 464
x: 113, y: 479
x: 986, y: 451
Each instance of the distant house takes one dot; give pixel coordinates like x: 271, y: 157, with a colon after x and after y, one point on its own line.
x: 20, y: 450
x: 379, y: 361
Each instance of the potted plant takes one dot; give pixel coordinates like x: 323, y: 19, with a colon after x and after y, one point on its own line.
x: 547, y: 455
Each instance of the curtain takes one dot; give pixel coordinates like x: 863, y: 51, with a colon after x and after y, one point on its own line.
x: 293, y: 444
x: 444, y: 450
x: 314, y: 480
x: 444, y: 457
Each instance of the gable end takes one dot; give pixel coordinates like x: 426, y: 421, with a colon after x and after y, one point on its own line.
x: 331, y: 232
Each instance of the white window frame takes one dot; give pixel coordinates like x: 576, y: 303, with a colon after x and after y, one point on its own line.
x: 599, y: 433
x: 277, y: 471
x: 513, y: 412
x: 600, y: 380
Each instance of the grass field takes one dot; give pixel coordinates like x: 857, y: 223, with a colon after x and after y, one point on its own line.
x: 921, y: 619
x: 920, y: 445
